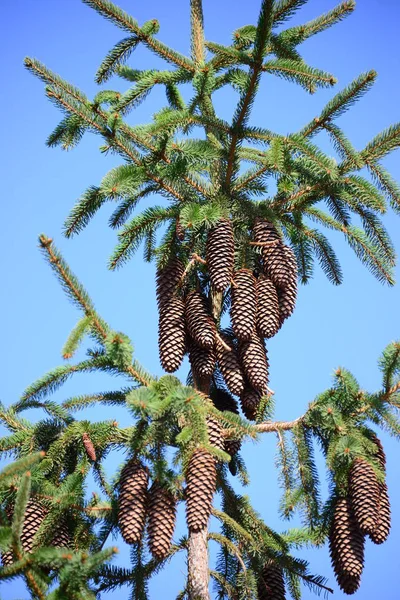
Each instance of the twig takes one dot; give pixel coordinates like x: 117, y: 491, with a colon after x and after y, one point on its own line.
x: 223, y: 343
x: 277, y: 426
x: 265, y: 244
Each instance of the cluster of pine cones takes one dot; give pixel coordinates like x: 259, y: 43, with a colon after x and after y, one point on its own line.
x: 259, y: 306
x: 35, y: 513
x: 157, y: 505
x: 364, y: 512
x: 137, y: 504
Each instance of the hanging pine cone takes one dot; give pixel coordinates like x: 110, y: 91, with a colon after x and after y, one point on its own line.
x: 244, y: 303
x: 179, y: 231
x: 364, y: 495
x: 346, y: 547
x: 132, y: 500
x: 62, y: 537
x: 250, y: 401
x: 274, y: 258
x: 201, y: 360
x: 220, y: 254
x: 287, y: 294
x: 268, y: 313
x: 201, y: 477
x: 7, y: 557
x: 171, y: 334
x: 199, y: 323
x: 382, y: 529
x: 380, y: 453
x: 215, y: 433
x: 162, y: 516
x: 89, y: 447
x: 271, y: 585
x: 167, y: 280
x: 229, y: 365
x: 225, y: 402
x: 253, y: 356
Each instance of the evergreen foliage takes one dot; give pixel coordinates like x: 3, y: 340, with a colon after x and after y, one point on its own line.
x: 226, y: 244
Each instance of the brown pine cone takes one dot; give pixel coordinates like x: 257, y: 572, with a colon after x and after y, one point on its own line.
x: 380, y: 453
x: 275, y: 263
x: 167, y: 280
x: 201, y: 477
x: 253, y: 356
x: 268, y: 313
x: 271, y: 585
x: 171, y: 334
x: 346, y: 547
x: 89, y: 447
x: 215, y: 433
x: 382, y: 529
x: 229, y: 365
x: 225, y: 402
x: 62, y: 537
x: 199, y: 323
x: 364, y: 495
x: 132, y: 500
x: 220, y: 252
x: 244, y: 304
x: 162, y: 516
x: 201, y: 360
x: 250, y: 401
x: 179, y: 231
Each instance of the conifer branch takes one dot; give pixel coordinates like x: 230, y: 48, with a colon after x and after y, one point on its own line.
x: 124, y: 21
x: 71, y: 284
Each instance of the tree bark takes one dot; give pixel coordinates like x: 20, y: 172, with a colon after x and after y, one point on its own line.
x: 198, y: 565
x: 198, y: 571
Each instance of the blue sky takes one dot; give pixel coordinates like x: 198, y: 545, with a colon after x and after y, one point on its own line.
x: 347, y: 325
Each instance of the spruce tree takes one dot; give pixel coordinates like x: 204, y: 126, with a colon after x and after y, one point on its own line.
x: 227, y: 248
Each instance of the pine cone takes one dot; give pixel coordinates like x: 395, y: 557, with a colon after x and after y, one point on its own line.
x: 179, y: 231
x: 201, y: 480
x: 382, y: 529
x: 230, y: 367
x: 215, y: 433
x: 171, y: 334
x: 268, y: 313
x: 253, y: 356
x: 346, y: 547
x: 7, y: 557
x: 201, y: 360
x: 167, y: 280
x: 275, y: 262
x: 89, y: 447
x: 162, y: 516
x: 225, y: 402
x: 364, y: 495
x: 250, y: 401
x: 62, y: 537
x: 244, y: 304
x: 271, y: 585
x: 380, y: 453
x: 199, y: 323
x: 132, y: 500
x: 220, y: 255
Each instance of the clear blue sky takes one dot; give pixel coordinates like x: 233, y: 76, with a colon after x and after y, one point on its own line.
x: 347, y: 325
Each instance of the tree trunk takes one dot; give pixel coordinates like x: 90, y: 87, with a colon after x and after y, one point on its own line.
x: 198, y: 566
x: 198, y: 572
